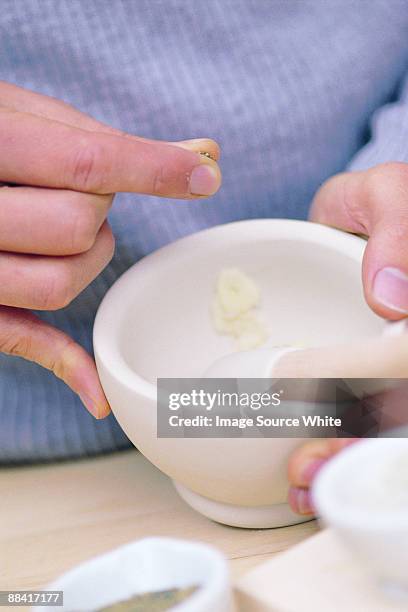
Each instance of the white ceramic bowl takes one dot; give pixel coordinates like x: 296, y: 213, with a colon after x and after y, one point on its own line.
x: 154, y: 322
x: 351, y: 497
x: 151, y: 564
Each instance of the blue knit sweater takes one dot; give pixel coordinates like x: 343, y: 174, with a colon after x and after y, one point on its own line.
x: 294, y: 91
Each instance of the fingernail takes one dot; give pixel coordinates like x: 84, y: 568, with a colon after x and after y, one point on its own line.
x: 391, y: 289
x: 98, y: 410
x: 310, y: 470
x: 300, y: 500
x: 200, y: 145
x: 193, y: 143
x: 204, y: 180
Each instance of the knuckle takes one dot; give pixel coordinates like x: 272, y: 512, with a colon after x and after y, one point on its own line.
x: 369, y: 186
x: 107, y: 242
x: 59, y: 365
x: 385, y: 191
x: 87, y: 172
x: 165, y: 180
x: 110, y: 244
x: 355, y: 206
x: 397, y: 231
x: 84, y: 227
x: 17, y: 344
x: 56, y: 289
x: 373, y: 181
x: 380, y: 178
x: 44, y: 293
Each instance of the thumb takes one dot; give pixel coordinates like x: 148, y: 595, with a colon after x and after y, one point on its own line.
x: 373, y: 203
x: 25, y: 335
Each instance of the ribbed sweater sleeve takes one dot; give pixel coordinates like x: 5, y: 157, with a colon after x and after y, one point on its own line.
x: 389, y: 134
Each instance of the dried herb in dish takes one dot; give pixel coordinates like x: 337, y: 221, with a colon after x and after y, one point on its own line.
x: 157, y: 601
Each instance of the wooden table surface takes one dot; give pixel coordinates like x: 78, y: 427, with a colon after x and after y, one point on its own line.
x: 54, y: 516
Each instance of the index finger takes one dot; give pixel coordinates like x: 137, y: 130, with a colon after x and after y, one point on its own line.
x: 38, y: 151
x: 23, y: 100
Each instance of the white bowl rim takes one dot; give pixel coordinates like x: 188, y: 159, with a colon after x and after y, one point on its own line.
x: 347, y: 516
x: 209, y: 589
x: 105, y: 338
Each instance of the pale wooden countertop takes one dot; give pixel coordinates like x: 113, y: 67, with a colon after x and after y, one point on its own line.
x: 54, y: 516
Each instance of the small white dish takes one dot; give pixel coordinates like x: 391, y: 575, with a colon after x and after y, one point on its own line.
x: 363, y: 494
x: 155, y: 322
x: 151, y: 564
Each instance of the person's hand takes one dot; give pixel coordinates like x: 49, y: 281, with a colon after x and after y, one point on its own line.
x: 373, y: 203
x: 304, y: 464
x: 58, y: 171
